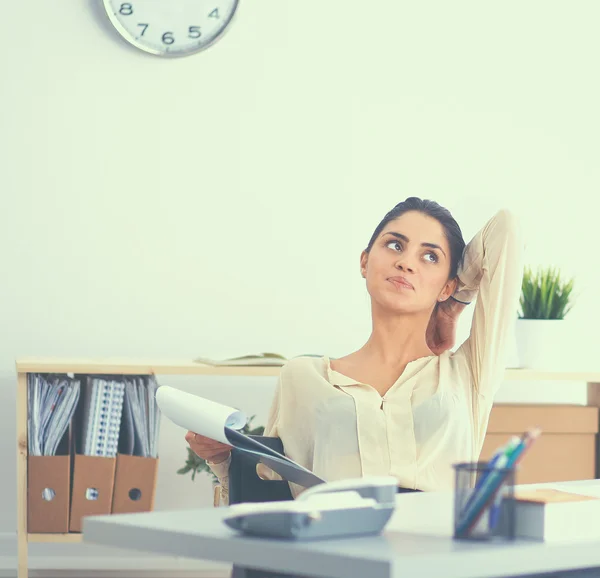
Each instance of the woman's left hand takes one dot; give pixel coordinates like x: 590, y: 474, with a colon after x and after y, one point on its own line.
x: 441, y: 331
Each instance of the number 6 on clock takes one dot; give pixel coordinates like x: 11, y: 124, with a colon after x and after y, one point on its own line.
x: 171, y: 27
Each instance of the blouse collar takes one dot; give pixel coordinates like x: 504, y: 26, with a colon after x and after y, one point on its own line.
x: 336, y: 378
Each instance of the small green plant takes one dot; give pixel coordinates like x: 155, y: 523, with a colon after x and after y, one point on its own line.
x: 196, y: 464
x: 544, y: 294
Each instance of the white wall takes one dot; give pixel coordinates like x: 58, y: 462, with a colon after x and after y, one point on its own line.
x: 217, y: 205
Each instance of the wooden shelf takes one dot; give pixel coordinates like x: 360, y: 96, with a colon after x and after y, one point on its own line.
x: 74, y: 537
x: 135, y: 367
x: 187, y: 367
x: 552, y: 375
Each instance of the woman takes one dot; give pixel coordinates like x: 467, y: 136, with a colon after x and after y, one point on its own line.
x: 404, y: 404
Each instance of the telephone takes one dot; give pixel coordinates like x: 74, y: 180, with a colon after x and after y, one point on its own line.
x: 344, y: 508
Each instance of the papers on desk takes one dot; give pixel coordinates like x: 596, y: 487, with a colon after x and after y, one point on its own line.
x: 52, y: 401
x: 221, y: 423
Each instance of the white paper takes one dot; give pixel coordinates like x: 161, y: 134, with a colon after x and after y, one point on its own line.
x: 52, y: 402
x: 221, y: 423
x: 197, y: 414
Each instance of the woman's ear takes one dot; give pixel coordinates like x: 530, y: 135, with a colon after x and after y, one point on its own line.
x: 363, y: 264
x: 448, y: 290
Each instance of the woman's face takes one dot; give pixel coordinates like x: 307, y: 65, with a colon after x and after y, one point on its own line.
x: 408, y: 266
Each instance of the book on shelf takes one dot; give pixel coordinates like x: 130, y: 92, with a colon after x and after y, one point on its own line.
x: 223, y: 424
x: 260, y: 359
x: 252, y: 360
x: 555, y: 515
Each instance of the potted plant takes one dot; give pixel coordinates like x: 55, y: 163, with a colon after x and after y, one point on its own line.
x: 195, y: 463
x: 546, y: 298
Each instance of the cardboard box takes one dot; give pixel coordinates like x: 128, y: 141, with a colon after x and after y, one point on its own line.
x: 566, y: 450
x: 93, y: 484
x: 48, y: 493
x: 135, y: 484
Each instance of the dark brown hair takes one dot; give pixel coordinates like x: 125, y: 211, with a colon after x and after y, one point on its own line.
x: 436, y: 211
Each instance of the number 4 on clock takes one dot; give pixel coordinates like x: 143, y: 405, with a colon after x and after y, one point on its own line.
x: 214, y: 13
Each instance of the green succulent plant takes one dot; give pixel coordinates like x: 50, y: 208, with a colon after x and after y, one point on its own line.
x: 545, y: 294
x: 196, y: 464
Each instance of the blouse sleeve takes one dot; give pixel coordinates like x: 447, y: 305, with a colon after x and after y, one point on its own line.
x: 272, y: 430
x: 492, y: 272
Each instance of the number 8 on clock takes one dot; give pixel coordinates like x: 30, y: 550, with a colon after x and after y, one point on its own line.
x: 171, y: 27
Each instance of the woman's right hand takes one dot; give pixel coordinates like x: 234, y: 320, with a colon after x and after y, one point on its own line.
x: 207, y: 448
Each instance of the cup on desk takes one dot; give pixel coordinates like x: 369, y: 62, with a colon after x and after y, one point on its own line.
x: 483, y: 504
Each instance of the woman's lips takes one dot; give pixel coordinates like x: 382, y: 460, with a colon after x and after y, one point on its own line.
x: 401, y: 283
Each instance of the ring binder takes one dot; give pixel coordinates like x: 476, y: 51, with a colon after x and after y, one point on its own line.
x: 96, y: 448
x: 137, y: 459
x: 52, y: 402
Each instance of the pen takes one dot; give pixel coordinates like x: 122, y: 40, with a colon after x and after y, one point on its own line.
x: 495, y: 510
x: 526, y: 440
x: 513, y: 458
x: 524, y: 443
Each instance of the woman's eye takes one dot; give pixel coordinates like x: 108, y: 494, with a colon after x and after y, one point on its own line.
x: 397, y: 246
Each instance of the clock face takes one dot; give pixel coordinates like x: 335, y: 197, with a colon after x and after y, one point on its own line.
x: 171, y: 27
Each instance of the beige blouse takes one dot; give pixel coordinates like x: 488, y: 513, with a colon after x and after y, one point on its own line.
x: 437, y: 411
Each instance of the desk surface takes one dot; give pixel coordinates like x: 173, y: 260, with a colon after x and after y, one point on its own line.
x: 416, y: 542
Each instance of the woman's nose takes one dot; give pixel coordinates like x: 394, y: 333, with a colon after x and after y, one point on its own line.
x: 405, y: 264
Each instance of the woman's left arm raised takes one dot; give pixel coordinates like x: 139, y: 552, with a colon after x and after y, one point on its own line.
x: 491, y: 275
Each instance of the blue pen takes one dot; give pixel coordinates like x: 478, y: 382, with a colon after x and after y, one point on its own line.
x: 492, y: 464
x: 502, y: 450
x: 512, y: 453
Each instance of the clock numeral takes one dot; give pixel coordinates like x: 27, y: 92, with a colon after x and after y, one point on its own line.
x: 144, y: 26
x: 126, y: 9
x: 214, y: 13
x: 194, y: 32
x: 168, y: 38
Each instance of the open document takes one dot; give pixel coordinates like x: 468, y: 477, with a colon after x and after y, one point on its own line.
x: 222, y: 423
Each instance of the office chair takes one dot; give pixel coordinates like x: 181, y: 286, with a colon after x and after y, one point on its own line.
x: 244, y: 483
x: 246, y: 486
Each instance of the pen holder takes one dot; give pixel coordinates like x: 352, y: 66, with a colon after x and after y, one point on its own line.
x: 483, y: 504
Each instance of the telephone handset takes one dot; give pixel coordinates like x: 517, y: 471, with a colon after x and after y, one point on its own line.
x: 344, y: 508
x: 380, y: 488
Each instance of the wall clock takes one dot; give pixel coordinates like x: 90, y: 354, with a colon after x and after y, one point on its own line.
x: 171, y: 27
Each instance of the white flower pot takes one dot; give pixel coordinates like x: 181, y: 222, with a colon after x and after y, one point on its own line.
x: 541, y: 343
